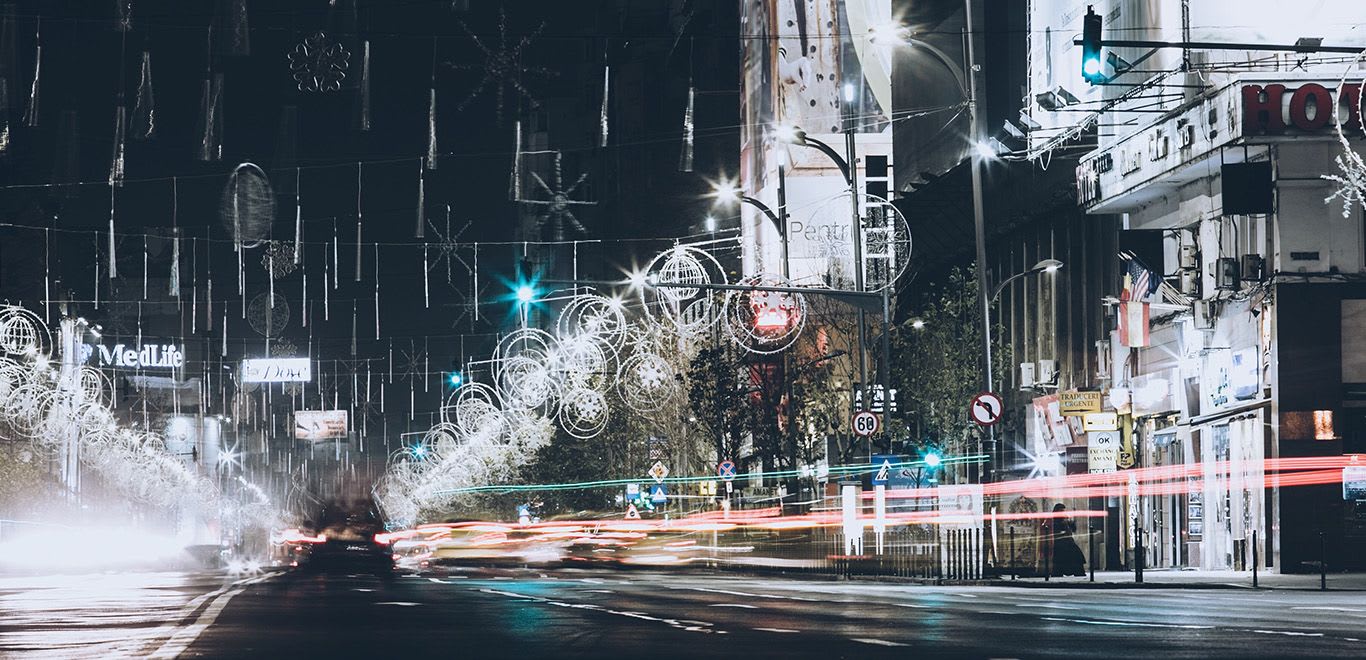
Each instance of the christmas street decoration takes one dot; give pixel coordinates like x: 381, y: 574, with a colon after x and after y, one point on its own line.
x: 319, y: 63
x: 557, y: 208
x: 502, y: 67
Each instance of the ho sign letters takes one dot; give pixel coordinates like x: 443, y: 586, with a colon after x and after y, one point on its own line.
x: 1275, y: 108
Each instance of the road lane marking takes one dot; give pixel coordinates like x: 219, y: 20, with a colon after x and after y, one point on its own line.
x: 681, y: 624
x: 1291, y: 633
x: 185, y: 636
x: 1049, y: 606
x: 1136, y: 624
x: 745, y: 594
x: 1328, y: 608
x: 399, y: 603
x: 877, y: 642
x: 777, y: 630
x: 740, y: 605
x: 363, y: 590
x: 437, y: 580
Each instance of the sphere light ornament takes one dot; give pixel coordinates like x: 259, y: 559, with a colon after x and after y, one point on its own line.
x: 684, y: 301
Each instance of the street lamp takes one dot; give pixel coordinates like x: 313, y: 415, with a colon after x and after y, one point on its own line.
x: 1044, y: 266
x: 729, y: 193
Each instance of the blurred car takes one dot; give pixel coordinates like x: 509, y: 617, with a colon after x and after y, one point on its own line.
x: 350, y: 537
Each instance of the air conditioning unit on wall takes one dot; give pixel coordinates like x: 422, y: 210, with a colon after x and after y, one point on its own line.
x: 1048, y: 372
x: 1026, y: 374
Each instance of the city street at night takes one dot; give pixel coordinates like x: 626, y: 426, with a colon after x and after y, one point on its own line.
x: 638, y: 329
x: 578, y: 613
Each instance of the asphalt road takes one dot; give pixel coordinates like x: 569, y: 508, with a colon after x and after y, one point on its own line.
x: 566, y: 613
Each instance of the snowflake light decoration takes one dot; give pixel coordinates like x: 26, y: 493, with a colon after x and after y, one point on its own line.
x: 557, y: 209
x: 319, y: 63
x: 413, y: 363
x: 278, y: 259
x: 448, y: 249
x: 502, y: 66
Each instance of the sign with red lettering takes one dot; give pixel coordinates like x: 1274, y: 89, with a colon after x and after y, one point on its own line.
x: 1276, y: 109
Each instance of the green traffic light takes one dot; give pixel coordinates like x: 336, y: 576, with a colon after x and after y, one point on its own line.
x: 455, y: 379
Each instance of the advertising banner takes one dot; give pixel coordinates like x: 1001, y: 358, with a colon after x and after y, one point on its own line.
x: 315, y: 425
x: 277, y: 370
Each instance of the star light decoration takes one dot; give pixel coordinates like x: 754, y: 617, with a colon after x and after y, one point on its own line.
x: 558, y: 208
x: 448, y: 249
x: 502, y: 66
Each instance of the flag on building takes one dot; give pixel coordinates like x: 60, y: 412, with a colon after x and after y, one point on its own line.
x: 1139, y: 285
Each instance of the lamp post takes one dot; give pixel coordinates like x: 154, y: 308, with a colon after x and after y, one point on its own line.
x: 1044, y: 266
x: 795, y: 135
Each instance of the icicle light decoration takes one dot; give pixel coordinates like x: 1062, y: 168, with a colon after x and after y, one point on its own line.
x: 515, y: 180
x: 144, y: 266
x: 377, y: 291
x: 420, y: 228
x: 686, y: 153
x: 113, y: 258
x: 144, y: 125
x: 117, y: 158
x: 359, y: 169
x: 4, y: 116
x: 602, y: 117
x: 175, y: 263
x: 336, y: 257
x: 432, y: 151
x: 426, y: 269
x: 362, y: 111
x: 210, y: 148
x: 31, y: 111
x: 236, y: 32
x: 298, y: 218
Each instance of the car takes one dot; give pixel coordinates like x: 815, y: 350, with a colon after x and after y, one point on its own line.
x: 350, y: 537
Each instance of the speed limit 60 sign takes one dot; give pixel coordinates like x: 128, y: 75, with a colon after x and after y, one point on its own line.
x: 866, y: 423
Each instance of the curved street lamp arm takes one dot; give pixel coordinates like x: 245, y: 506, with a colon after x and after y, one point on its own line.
x: 808, y: 141
x: 773, y: 217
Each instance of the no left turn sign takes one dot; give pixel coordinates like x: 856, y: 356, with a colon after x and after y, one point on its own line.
x: 986, y: 409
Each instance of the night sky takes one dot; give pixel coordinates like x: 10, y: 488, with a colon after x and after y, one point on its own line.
x: 55, y: 200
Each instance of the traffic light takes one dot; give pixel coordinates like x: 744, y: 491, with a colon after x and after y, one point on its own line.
x: 455, y: 379
x: 1091, y: 68
x: 932, y: 459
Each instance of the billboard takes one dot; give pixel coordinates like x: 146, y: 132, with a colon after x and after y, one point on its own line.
x: 321, y: 424
x: 808, y: 64
x: 277, y: 370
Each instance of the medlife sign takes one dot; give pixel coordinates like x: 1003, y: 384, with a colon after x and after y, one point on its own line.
x: 164, y: 356
x: 277, y: 370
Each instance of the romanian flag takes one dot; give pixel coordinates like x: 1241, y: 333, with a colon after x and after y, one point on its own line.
x: 1139, y: 285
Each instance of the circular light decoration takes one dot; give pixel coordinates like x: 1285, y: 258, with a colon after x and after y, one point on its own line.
x: 645, y: 381
x: 269, y: 320
x: 522, y: 372
x: 826, y: 249
x: 674, y: 287
x: 22, y: 332
x: 475, y: 411
x: 583, y: 413
x: 247, y: 206
x: 583, y: 361
x: 593, y: 316
x: 765, y: 322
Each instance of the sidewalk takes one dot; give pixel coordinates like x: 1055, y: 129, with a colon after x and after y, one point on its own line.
x: 1185, y: 579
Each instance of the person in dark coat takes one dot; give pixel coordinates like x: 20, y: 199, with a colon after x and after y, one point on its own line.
x: 1066, y: 555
